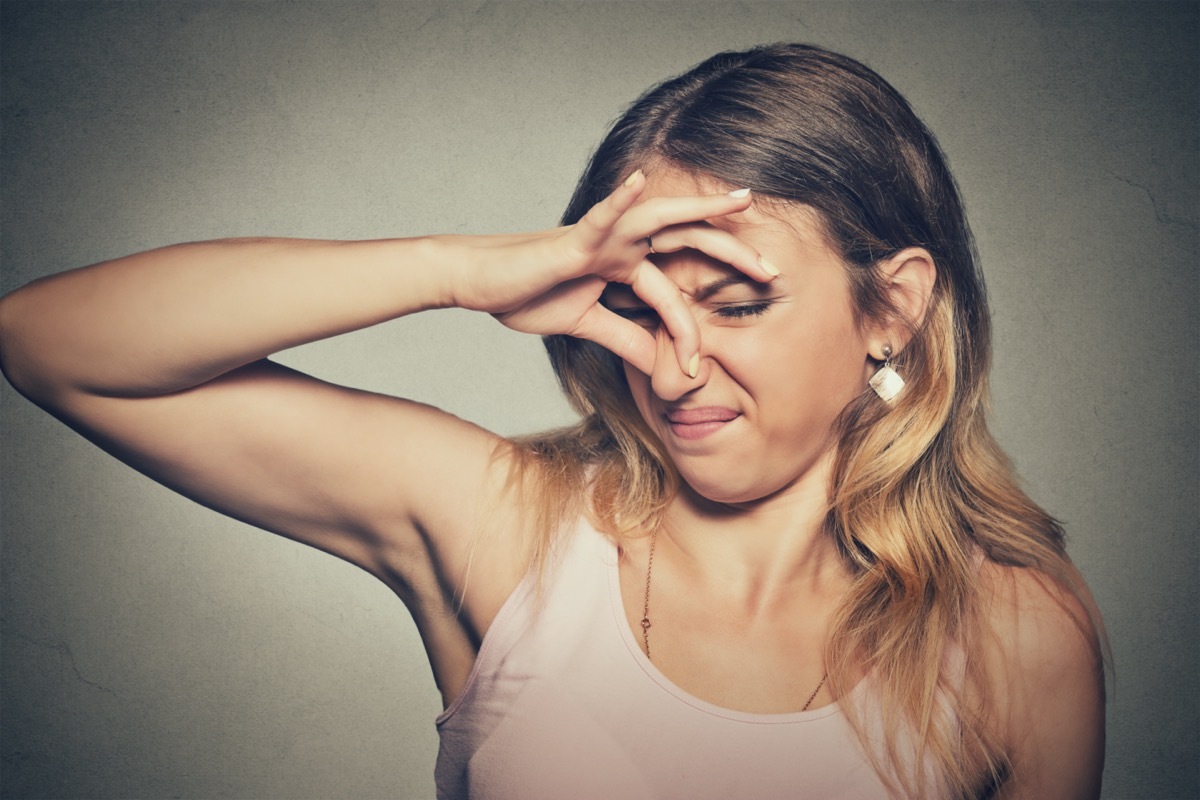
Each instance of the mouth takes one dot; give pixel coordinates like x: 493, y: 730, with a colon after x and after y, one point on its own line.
x: 697, y: 423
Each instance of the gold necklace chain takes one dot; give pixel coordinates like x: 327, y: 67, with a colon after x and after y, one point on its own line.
x: 646, y: 600
x: 646, y: 618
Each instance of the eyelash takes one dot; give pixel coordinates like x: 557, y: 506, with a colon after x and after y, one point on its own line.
x: 645, y: 316
x: 743, y: 311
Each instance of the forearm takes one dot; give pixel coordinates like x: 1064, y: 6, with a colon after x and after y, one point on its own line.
x: 173, y: 318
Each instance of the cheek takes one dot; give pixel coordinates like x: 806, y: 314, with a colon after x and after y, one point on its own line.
x: 815, y: 354
x: 802, y: 375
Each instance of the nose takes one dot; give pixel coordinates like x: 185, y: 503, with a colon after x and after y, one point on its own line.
x: 668, y: 380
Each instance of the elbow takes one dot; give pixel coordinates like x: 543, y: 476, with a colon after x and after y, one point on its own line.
x: 19, y: 352
x: 10, y: 331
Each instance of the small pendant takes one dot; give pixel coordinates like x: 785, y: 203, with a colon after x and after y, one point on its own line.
x: 887, y: 383
x: 645, y: 624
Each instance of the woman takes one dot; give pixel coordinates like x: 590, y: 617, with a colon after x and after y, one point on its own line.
x: 779, y: 556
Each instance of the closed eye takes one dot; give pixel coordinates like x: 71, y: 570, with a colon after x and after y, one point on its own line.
x: 742, y: 310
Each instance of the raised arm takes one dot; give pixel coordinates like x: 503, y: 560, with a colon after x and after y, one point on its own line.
x: 160, y: 358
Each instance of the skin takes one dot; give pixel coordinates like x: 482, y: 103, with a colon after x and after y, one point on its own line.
x: 741, y: 561
x: 743, y: 583
x: 161, y: 359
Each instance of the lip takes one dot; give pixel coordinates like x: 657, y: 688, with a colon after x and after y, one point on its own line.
x: 697, y: 423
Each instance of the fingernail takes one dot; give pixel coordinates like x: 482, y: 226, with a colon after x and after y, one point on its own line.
x: 694, y: 365
x: 768, y: 267
x: 630, y: 180
x: 740, y: 193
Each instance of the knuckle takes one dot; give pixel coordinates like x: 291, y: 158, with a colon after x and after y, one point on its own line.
x: 593, y: 216
x: 627, y: 342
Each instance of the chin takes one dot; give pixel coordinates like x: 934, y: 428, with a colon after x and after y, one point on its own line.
x: 720, y: 490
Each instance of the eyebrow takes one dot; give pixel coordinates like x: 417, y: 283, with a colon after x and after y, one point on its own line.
x: 707, y: 290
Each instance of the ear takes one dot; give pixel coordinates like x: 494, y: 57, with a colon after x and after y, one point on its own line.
x: 909, y: 275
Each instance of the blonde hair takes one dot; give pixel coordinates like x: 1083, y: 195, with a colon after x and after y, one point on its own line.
x: 920, y: 490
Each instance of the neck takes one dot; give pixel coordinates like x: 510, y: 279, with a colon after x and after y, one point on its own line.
x: 756, y: 554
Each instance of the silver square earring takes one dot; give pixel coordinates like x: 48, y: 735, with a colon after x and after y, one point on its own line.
x: 886, y: 382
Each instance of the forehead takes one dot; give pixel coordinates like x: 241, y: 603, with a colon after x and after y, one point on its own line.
x: 765, y: 217
x: 665, y: 180
x: 785, y: 233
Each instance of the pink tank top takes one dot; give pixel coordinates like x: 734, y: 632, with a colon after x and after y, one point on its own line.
x: 562, y: 704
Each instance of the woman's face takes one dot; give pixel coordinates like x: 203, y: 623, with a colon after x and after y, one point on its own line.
x: 779, y: 361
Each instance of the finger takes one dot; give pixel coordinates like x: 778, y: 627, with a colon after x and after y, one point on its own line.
x: 653, y: 215
x: 625, y: 338
x: 598, y: 222
x: 660, y: 293
x: 718, y: 244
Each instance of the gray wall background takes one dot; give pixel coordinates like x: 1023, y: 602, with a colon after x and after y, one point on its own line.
x: 152, y: 649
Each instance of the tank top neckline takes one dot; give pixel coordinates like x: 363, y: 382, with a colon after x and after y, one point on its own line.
x: 500, y: 636
x: 612, y: 562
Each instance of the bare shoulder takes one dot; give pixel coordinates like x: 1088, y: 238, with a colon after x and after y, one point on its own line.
x: 1043, y: 625
x: 1046, y: 672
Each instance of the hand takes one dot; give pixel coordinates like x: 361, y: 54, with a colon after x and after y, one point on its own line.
x: 551, y: 282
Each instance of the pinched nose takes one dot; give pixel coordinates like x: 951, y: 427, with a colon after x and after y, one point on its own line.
x: 669, y: 381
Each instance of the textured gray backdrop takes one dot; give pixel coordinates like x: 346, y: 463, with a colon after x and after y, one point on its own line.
x: 154, y: 650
